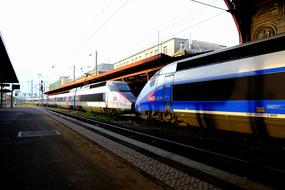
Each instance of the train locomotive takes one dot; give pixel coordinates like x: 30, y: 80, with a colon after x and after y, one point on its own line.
x: 238, y: 89
x: 108, y: 97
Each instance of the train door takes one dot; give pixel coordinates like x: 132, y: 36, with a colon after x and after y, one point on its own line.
x: 75, y: 99
x: 167, y: 92
x: 67, y: 101
x: 106, y: 94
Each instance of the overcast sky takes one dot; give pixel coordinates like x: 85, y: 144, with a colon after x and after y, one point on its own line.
x: 48, y: 37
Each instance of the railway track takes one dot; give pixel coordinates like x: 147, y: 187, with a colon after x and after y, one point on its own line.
x: 246, y: 172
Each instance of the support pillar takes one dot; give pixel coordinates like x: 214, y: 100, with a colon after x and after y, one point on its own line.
x: 1, y: 106
x: 147, y: 77
x: 11, y: 98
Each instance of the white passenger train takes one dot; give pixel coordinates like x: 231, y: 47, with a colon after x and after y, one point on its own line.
x: 108, y: 97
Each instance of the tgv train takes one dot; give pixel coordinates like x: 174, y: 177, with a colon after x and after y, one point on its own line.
x: 239, y: 89
x: 108, y: 97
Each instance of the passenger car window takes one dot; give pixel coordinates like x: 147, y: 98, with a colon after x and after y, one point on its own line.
x: 153, y: 79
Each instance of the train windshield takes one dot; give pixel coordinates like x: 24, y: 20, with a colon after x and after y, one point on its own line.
x: 122, y: 87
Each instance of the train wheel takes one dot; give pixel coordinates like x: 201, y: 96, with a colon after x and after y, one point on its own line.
x: 149, y: 115
x: 166, y: 116
x: 173, y: 118
x: 108, y: 111
x: 114, y: 112
x: 160, y: 116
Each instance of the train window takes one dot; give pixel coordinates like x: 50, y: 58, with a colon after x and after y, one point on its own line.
x: 165, y: 49
x: 97, y: 85
x: 122, y: 87
x: 160, y: 80
x: 181, y: 45
x: 153, y: 79
x: 232, y: 89
x: 100, y: 97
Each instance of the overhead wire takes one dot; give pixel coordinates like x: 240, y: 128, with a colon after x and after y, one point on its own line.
x: 104, y: 23
x: 209, y: 5
x: 186, y: 17
x: 192, y: 26
x: 180, y: 20
x: 174, y: 23
x: 162, y: 29
x: 197, y: 24
x: 106, y: 7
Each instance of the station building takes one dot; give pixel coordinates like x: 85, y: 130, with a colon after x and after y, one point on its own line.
x: 173, y: 47
x: 104, y: 67
x: 59, y: 82
x: 101, y: 68
x: 141, y: 64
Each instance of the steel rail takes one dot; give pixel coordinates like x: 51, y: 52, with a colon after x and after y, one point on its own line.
x: 219, y: 155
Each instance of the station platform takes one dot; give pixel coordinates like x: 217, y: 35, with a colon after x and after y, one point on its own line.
x: 37, y: 152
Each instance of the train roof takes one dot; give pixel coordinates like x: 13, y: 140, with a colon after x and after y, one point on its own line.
x: 259, y: 47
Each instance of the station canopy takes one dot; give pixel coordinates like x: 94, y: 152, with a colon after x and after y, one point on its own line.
x: 7, y: 73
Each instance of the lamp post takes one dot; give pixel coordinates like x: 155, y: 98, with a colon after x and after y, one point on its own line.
x: 72, y: 76
x: 32, y: 91
x: 73, y: 73
x: 40, y: 76
x: 86, y: 75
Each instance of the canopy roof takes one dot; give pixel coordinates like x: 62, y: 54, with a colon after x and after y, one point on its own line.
x: 7, y: 73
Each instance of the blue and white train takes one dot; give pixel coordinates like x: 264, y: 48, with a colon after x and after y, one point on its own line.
x: 239, y: 89
x: 109, y: 97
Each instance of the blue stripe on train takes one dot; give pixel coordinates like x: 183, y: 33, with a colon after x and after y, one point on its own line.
x: 269, y: 106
